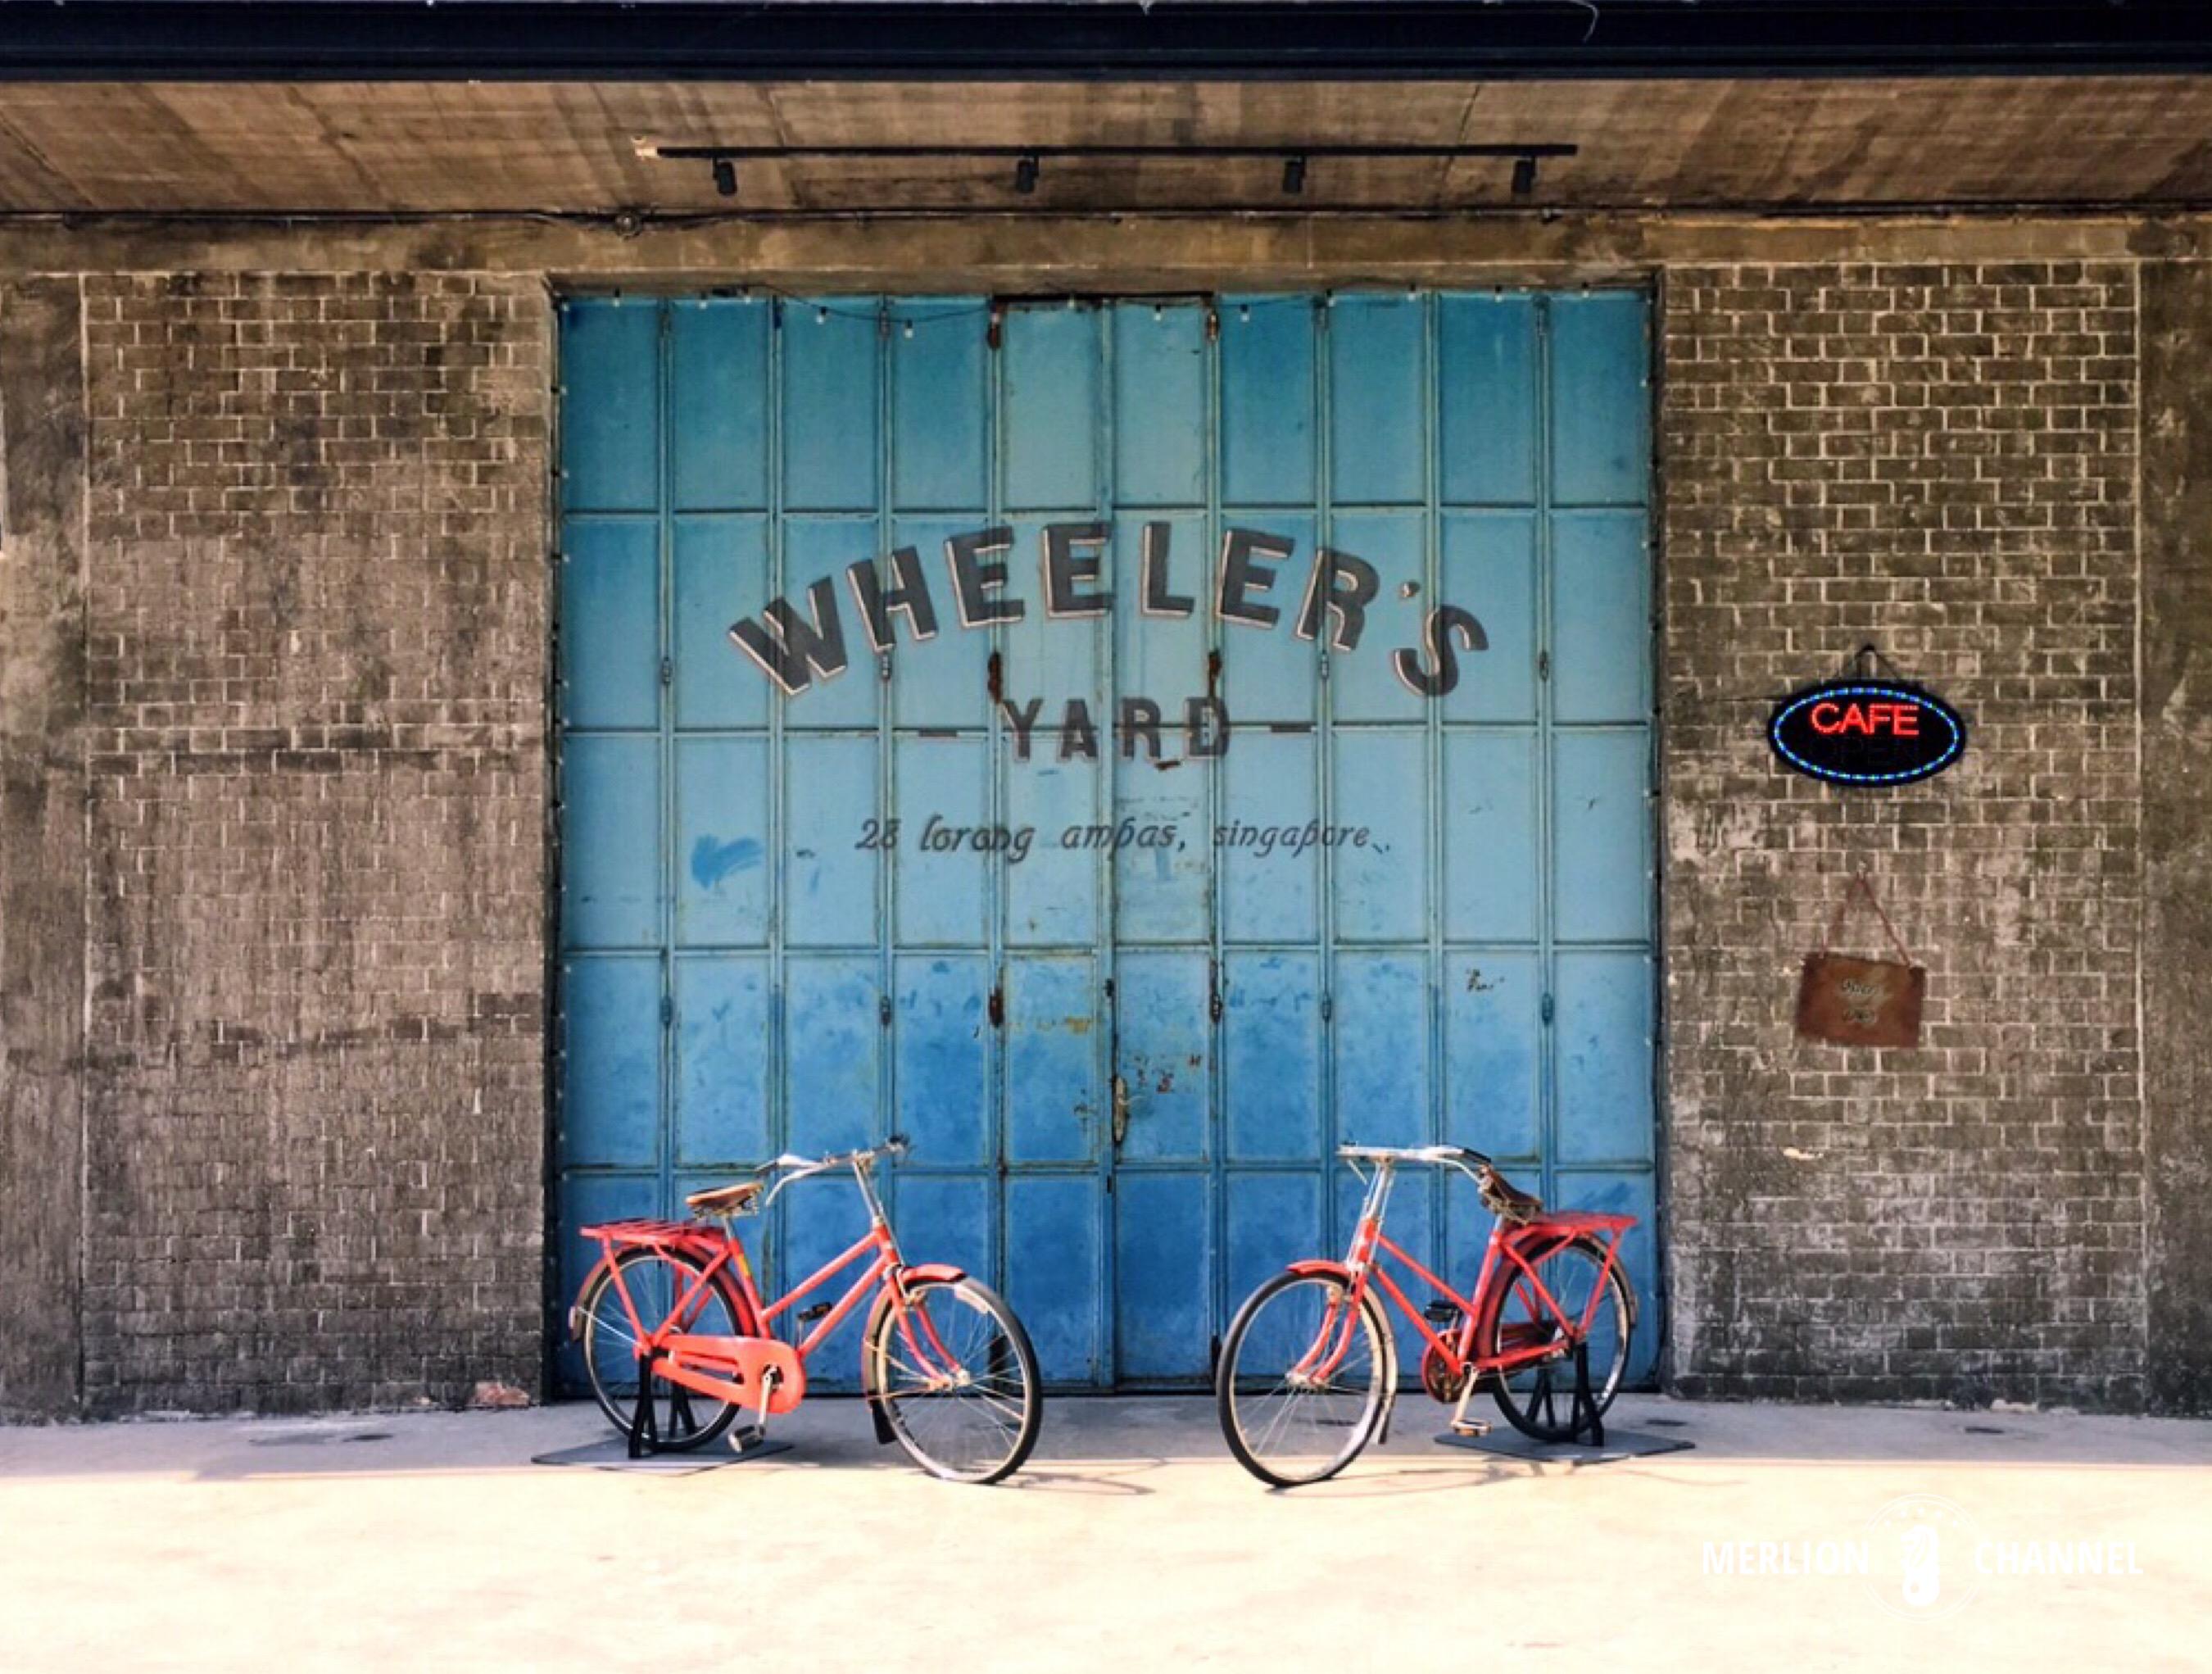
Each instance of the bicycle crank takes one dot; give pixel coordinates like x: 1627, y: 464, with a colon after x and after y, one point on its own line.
x: 1444, y: 1386
x: 1460, y: 1424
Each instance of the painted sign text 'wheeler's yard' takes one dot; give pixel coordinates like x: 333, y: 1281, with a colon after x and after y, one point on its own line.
x: 798, y: 651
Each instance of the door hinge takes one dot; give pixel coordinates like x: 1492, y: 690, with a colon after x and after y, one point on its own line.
x: 667, y: 1010
x: 1213, y: 989
x: 1545, y: 1009
x: 668, y: 671
x: 884, y: 1010
x: 998, y: 1006
x: 1328, y: 1007
x: 995, y: 675
x: 1543, y: 665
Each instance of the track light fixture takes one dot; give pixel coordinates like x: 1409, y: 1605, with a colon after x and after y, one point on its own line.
x: 1028, y: 161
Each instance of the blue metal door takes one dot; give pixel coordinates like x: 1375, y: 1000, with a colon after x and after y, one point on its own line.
x: 1056, y: 802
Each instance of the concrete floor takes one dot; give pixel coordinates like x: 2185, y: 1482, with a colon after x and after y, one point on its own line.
x: 1131, y: 1542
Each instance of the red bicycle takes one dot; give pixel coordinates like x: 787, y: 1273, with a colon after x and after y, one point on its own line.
x: 677, y: 1342
x: 1310, y: 1369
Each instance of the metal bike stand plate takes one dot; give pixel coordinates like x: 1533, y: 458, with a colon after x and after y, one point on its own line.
x: 1618, y: 1443
x: 613, y: 1453
x: 639, y: 1447
x: 1591, y: 1443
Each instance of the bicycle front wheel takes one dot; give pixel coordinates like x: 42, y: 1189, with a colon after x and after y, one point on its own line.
x: 954, y: 1376
x: 655, y: 1280
x: 1302, y: 1378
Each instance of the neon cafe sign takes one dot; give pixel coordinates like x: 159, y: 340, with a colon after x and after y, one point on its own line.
x: 1863, y: 733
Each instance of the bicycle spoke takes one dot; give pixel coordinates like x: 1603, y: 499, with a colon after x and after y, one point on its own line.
x: 952, y: 1384
x: 1292, y: 1415
x: 652, y: 1280
x: 1588, y: 1307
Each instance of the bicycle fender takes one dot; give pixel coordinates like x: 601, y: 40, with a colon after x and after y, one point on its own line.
x: 576, y: 1306
x: 1534, y: 1242
x: 931, y: 1273
x: 1339, y: 1272
x: 1606, y: 1251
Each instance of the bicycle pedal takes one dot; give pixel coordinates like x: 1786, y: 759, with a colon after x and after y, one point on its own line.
x: 1470, y: 1427
x: 744, y: 1437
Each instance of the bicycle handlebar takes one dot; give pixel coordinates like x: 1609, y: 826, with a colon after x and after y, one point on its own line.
x: 895, y: 1145
x: 792, y: 1166
x: 1454, y: 1156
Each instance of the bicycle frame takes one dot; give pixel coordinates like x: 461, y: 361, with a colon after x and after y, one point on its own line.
x: 756, y: 1368
x: 1502, y: 1262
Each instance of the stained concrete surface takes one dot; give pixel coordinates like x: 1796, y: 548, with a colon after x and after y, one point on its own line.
x: 1131, y: 1541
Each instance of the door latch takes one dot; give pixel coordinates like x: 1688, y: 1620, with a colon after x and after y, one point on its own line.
x: 1120, y: 1111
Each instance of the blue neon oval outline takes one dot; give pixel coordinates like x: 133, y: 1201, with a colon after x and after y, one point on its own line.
x: 1919, y: 699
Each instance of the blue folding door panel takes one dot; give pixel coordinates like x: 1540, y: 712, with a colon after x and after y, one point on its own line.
x: 1170, y: 739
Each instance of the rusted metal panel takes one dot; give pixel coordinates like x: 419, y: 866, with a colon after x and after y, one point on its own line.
x: 1121, y: 981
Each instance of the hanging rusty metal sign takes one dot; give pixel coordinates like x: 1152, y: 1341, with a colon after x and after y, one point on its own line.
x: 1867, y: 732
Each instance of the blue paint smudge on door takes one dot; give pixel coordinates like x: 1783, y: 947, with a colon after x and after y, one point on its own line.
x: 712, y: 861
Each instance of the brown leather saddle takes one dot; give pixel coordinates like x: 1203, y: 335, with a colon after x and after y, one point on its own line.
x: 1502, y: 1197
x: 723, y: 1200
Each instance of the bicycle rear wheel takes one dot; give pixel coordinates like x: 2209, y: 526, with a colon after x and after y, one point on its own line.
x: 654, y: 1280
x: 954, y: 1376
x: 1302, y: 1383
x: 1538, y: 1399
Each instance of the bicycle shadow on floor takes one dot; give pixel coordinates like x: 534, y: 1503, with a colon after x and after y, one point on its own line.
x: 1385, y: 1478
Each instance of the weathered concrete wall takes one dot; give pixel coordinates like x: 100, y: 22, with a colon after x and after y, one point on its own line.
x: 42, y: 845
x: 317, y: 622
x: 2177, y: 741
x: 318, y: 628
x: 1939, y: 459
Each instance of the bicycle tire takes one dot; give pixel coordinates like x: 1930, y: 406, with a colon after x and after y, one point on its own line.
x: 599, y: 1311
x: 1536, y: 1410
x: 996, y: 1451
x: 1382, y: 1378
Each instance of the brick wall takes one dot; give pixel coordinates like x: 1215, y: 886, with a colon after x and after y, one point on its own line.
x: 42, y: 891
x: 305, y: 674
x: 1940, y: 460
x: 316, y: 629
